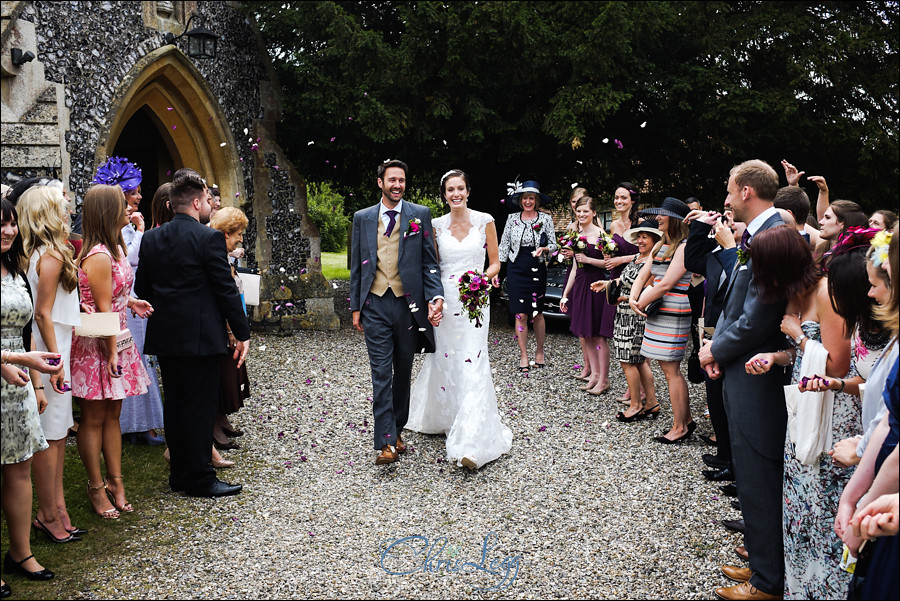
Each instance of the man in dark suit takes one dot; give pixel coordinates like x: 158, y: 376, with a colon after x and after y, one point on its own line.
x: 184, y: 274
x: 713, y: 258
x: 393, y: 270
x: 755, y: 406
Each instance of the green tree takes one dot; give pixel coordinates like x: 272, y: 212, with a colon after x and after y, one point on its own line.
x: 544, y: 90
x: 326, y: 209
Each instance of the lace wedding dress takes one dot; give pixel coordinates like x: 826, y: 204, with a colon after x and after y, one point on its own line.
x: 454, y: 392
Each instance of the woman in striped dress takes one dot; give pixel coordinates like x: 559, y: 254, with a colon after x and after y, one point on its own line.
x: 667, y: 329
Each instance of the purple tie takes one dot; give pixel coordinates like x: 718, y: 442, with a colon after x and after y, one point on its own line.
x: 745, y: 239
x: 392, y: 215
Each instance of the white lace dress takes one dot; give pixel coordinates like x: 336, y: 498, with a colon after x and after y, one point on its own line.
x: 454, y: 392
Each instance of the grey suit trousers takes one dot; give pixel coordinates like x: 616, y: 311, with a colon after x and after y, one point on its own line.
x: 390, y: 338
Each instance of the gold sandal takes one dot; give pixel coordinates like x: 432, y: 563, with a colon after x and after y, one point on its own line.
x: 109, y: 514
x: 127, y: 507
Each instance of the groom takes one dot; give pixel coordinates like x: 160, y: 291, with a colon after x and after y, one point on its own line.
x: 393, y: 269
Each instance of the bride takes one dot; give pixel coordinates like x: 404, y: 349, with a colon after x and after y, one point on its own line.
x: 454, y: 392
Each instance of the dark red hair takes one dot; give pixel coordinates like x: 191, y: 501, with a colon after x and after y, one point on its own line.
x: 783, y: 265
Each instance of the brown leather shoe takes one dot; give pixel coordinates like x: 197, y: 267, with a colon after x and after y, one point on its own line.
x: 388, y: 455
x: 742, y: 553
x: 401, y: 446
x: 745, y: 590
x: 737, y: 574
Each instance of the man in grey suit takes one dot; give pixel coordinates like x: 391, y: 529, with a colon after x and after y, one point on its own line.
x: 757, y: 417
x: 393, y: 269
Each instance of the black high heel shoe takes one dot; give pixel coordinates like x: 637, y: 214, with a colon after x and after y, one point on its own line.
x: 690, y: 430
x: 652, y: 412
x: 10, y: 566
x: 41, y: 527
x: 628, y: 419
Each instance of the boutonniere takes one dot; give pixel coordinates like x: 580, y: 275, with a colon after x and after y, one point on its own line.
x: 414, y: 227
x: 743, y: 255
x: 537, y: 226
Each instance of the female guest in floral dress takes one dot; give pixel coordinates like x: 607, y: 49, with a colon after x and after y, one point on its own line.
x: 666, y: 331
x: 53, y: 275
x: 812, y: 549
x: 22, y: 435
x: 629, y: 329
x: 101, y: 375
x: 528, y: 242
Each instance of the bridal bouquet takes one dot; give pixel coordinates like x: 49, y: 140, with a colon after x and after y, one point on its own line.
x: 474, y: 289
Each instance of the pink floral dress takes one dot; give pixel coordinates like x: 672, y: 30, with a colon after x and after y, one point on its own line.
x: 90, y: 379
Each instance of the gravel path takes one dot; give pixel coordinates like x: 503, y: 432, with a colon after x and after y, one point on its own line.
x: 583, y: 506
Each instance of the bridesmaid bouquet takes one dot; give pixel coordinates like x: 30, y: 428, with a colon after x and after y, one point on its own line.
x: 607, y: 245
x: 474, y: 289
x: 573, y: 241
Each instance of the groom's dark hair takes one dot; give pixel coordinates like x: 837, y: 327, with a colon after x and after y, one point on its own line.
x: 392, y: 163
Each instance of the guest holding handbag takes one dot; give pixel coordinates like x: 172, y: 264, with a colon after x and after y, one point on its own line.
x: 102, y: 374
x: 53, y: 276
x: 527, y: 243
x: 668, y: 311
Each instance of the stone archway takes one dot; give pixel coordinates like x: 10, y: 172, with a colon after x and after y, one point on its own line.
x: 167, y: 86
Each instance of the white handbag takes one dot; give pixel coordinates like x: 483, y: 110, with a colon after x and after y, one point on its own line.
x: 98, y: 325
x: 810, y: 413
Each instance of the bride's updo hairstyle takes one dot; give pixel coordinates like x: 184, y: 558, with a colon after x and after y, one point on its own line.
x: 454, y: 173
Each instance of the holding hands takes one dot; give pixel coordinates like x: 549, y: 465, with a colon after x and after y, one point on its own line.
x: 878, y: 518
x: 436, y: 312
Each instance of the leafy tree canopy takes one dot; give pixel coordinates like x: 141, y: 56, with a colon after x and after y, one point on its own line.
x: 668, y: 94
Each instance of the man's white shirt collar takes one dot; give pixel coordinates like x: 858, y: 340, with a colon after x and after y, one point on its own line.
x: 754, y: 225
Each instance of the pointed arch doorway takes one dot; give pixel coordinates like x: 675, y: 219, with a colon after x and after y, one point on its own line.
x: 164, y: 117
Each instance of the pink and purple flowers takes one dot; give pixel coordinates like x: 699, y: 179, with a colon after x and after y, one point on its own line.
x: 474, y: 290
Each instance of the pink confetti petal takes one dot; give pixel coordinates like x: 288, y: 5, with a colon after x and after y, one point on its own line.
x: 169, y: 108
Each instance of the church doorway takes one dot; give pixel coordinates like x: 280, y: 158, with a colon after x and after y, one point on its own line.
x: 143, y: 145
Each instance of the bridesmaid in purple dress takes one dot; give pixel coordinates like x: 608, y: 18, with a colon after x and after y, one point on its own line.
x: 625, y: 201
x: 590, y: 321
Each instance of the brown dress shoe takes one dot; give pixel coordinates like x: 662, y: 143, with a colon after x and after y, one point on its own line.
x: 401, y: 446
x: 742, y: 553
x: 388, y: 455
x: 737, y: 574
x: 745, y: 590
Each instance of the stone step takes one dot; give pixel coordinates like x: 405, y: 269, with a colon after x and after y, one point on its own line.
x: 42, y: 112
x: 25, y: 134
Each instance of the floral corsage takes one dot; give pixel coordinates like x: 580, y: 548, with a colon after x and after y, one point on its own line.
x: 414, y: 227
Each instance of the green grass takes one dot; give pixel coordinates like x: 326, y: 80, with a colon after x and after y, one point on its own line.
x: 146, y: 482
x: 334, y: 266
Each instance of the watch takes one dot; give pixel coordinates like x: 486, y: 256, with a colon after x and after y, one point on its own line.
x: 799, y: 339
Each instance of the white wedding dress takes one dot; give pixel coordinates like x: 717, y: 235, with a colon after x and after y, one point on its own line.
x: 454, y: 392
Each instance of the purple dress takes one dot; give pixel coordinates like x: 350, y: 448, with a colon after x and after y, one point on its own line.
x: 609, y: 311
x: 589, y: 309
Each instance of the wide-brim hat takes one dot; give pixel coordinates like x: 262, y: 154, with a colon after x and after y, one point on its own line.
x: 671, y: 207
x: 529, y: 186
x: 647, y: 226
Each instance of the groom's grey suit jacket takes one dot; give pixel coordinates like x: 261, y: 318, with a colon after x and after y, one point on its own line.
x: 417, y: 262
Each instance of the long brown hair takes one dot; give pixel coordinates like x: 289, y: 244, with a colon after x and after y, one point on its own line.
x: 102, y: 218
x: 672, y: 238
x: 782, y: 265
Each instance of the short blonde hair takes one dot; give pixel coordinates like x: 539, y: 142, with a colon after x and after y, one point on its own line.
x: 759, y: 175
x: 229, y: 220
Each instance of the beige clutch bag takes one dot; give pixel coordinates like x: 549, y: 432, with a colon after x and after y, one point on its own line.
x: 97, y: 325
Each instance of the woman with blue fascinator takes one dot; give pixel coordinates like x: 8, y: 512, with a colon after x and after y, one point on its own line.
x: 528, y: 243
x: 142, y: 414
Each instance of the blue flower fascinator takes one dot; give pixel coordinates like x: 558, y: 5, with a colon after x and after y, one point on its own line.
x: 117, y: 171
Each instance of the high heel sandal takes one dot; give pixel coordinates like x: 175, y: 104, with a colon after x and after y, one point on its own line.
x: 10, y: 565
x: 109, y: 514
x: 652, y: 412
x: 632, y: 418
x: 690, y: 430
x: 127, y: 508
x: 41, y: 527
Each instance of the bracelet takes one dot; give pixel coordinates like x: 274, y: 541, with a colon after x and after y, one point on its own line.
x: 38, y: 387
x: 841, y: 389
x: 4, y: 357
